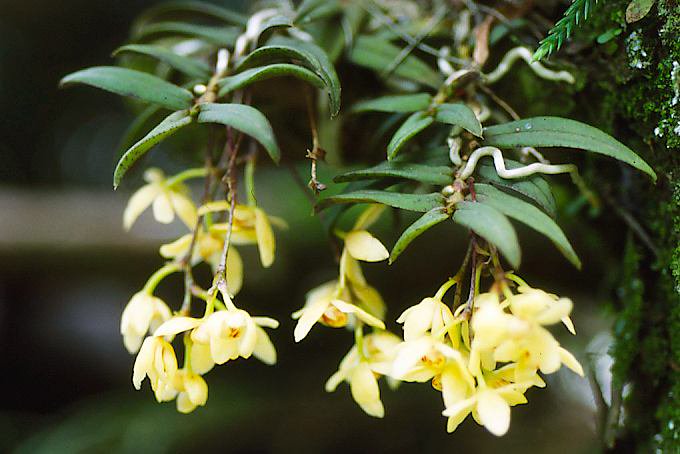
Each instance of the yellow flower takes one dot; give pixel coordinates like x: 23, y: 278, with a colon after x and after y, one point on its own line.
x: 232, y: 333
x: 251, y: 225
x: 142, y: 314
x: 327, y: 304
x: 362, y: 371
x: 430, y: 315
x: 192, y: 391
x: 156, y: 359
x: 167, y: 200
x: 361, y: 245
x: 489, y: 406
x: 423, y: 358
x: 208, y: 248
x: 537, y: 306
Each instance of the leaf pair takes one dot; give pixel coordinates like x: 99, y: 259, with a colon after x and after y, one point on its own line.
x: 243, y: 118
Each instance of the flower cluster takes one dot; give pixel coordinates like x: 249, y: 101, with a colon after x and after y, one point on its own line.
x: 482, y: 358
x: 224, y: 332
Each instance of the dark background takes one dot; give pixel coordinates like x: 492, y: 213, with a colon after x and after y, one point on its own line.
x: 67, y: 270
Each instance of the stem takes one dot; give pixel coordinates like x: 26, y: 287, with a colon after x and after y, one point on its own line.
x: 187, y: 174
x: 250, y: 179
x: 359, y: 339
x: 159, y: 275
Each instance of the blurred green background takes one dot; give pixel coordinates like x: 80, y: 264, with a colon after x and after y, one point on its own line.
x: 67, y: 270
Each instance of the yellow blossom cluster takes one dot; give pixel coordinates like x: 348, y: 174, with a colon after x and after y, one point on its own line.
x: 482, y: 362
x: 224, y: 332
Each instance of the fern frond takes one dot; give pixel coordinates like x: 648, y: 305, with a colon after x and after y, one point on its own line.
x: 577, y: 13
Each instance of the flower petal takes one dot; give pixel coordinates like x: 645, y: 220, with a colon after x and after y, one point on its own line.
x: 201, y: 360
x: 570, y: 361
x: 264, y: 349
x: 185, y: 208
x: 139, y: 202
x: 311, y: 314
x: 494, y: 412
x: 162, y: 208
x: 360, y: 313
x: 177, y: 325
x: 234, y: 271
x: 364, y: 246
x: 265, y: 238
x: 365, y: 390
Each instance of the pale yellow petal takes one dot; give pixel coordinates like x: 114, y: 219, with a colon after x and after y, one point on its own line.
x: 212, y: 207
x: 311, y: 314
x: 569, y: 324
x: 184, y: 403
x: 370, y: 299
x: 333, y: 381
x: 457, y: 413
x: 196, y: 388
x: 201, y: 360
x: 185, y: 209
x: 162, y: 208
x: 360, y: 313
x: 222, y: 350
x: 365, y: 390
x: 139, y: 202
x: 154, y: 175
x: 267, y: 322
x: 364, y: 246
x: 265, y: 238
x: 143, y: 362
x: 177, y: 248
x: 350, y: 268
x: 249, y: 339
x: 264, y: 348
x: 494, y: 412
x: 234, y: 271
x: 570, y: 361
x: 177, y: 325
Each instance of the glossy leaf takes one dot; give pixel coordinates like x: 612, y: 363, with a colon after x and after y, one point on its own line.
x: 459, y: 115
x: 208, y: 10
x: 282, y: 49
x: 186, y: 65
x: 493, y: 226
x: 377, y: 54
x: 414, y: 124
x: 534, y: 187
x: 250, y: 76
x: 167, y: 127
x: 397, y: 103
x: 527, y: 214
x: 440, y: 175
x: 411, y: 202
x: 136, y: 84
x: 562, y: 132
x: 424, y: 223
x: 246, y: 119
x: 219, y: 36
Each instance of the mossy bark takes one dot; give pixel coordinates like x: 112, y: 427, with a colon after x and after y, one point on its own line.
x: 635, y: 80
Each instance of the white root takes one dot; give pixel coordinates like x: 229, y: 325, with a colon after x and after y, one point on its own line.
x: 503, y: 172
x: 525, y: 54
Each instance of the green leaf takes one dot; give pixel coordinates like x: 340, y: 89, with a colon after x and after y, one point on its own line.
x: 414, y: 124
x: 310, y: 10
x: 282, y: 49
x: 208, y: 10
x: 377, y: 54
x: 492, y: 225
x: 219, y: 36
x: 638, y: 9
x: 397, y: 103
x: 390, y: 169
x: 167, y: 127
x: 137, y: 84
x: 562, y: 132
x: 459, y: 115
x: 534, y: 187
x: 243, y: 118
x: 527, y: 214
x: 250, y: 76
x: 276, y: 22
x: 186, y: 65
x: 411, y: 202
x: 424, y: 223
